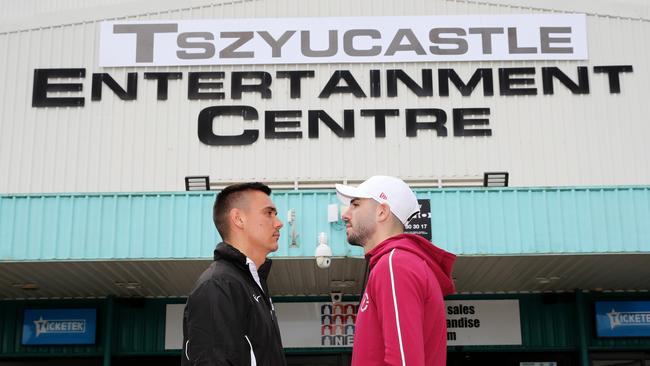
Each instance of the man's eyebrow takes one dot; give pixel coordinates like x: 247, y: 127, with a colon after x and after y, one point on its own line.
x: 354, y: 200
x: 270, y: 208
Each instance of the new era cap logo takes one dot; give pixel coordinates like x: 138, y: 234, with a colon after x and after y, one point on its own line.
x: 383, y: 196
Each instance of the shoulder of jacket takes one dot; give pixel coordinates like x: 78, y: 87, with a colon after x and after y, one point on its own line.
x: 401, y: 258
x: 221, y: 273
x: 397, y: 254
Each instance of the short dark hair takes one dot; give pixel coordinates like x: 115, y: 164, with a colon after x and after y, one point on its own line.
x: 227, y: 199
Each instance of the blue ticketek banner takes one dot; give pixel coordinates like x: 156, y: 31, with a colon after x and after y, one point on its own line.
x: 623, y: 318
x: 59, y: 326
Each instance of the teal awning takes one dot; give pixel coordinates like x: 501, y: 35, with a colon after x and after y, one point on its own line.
x: 509, y: 221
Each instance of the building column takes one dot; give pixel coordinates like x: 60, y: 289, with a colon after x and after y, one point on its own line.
x: 108, y: 331
x: 582, y: 328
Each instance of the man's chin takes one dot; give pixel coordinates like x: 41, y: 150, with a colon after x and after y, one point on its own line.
x: 354, y: 242
x: 273, y: 247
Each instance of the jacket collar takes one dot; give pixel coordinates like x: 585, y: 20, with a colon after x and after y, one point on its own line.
x: 225, y: 251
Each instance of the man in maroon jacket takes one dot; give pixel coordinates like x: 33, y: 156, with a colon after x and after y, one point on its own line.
x: 401, y: 318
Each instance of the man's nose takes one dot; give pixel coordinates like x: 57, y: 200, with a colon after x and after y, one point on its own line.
x: 278, y: 223
x: 346, y: 215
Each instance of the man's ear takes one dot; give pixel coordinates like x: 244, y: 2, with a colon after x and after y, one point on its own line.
x: 237, y: 218
x: 383, y: 212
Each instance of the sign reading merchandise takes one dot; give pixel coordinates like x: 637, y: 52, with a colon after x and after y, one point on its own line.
x: 59, y: 326
x: 623, y: 318
x: 343, y: 40
x: 483, y: 322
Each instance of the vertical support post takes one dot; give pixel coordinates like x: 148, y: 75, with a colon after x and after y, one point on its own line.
x: 108, y: 331
x: 582, y: 328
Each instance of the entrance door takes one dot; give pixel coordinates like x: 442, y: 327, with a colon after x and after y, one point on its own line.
x: 620, y: 359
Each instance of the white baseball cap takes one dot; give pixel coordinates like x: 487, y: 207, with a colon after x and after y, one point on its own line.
x: 383, y: 189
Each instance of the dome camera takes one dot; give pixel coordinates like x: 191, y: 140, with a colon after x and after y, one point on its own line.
x: 323, y: 252
x: 323, y: 261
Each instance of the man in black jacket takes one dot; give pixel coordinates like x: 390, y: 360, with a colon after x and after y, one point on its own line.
x: 229, y: 318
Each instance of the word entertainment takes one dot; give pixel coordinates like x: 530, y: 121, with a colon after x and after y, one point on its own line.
x: 382, y: 85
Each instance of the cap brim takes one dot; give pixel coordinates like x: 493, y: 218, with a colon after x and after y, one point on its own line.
x: 347, y: 193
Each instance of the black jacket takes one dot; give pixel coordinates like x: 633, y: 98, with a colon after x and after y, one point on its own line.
x: 228, y: 319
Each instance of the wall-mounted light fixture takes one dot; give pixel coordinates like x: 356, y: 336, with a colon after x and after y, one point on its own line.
x: 334, y: 214
x: 495, y: 179
x: 342, y: 284
x: 29, y: 286
x: 293, y: 233
x: 132, y: 285
x: 543, y: 280
x: 197, y: 183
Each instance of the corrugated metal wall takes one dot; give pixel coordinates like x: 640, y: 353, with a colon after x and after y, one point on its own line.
x: 464, y: 221
x: 548, y: 321
x: 140, y: 226
x: 585, y: 220
x: 151, y: 145
x: 141, y: 326
x: 10, y: 9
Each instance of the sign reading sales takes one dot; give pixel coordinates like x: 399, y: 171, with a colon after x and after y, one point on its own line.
x: 343, y: 40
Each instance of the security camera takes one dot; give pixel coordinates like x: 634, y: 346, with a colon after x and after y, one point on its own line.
x: 323, y: 261
x: 323, y: 252
x: 336, y: 297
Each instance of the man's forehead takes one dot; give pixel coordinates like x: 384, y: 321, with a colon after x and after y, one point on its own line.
x: 262, y: 200
x: 268, y: 204
x: 360, y: 200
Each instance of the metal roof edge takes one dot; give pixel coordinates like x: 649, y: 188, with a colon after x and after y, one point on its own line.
x: 330, y: 190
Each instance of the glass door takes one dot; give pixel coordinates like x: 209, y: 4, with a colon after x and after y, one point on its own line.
x: 619, y: 359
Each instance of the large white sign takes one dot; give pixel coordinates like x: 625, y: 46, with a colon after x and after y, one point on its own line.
x: 343, y: 40
x: 310, y: 324
x: 174, y: 326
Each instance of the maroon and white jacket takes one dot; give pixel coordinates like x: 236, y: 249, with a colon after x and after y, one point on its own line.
x: 401, y: 318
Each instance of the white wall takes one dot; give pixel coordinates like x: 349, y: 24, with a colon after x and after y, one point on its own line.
x: 150, y: 145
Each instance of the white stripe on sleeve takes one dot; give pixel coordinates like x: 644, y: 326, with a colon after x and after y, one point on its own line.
x: 253, y: 360
x: 392, y: 283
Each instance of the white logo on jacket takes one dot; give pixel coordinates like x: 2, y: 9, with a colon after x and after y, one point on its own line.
x: 364, y: 302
